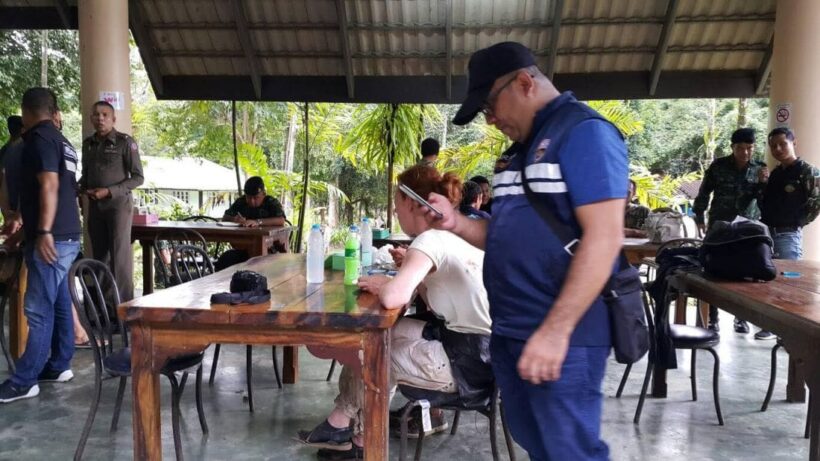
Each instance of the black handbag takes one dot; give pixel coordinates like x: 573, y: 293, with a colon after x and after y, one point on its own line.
x: 622, y: 292
x: 740, y: 250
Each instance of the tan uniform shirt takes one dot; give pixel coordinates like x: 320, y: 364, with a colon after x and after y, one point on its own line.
x: 112, y: 162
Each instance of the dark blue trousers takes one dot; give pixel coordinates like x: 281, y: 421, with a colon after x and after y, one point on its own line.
x: 554, y: 421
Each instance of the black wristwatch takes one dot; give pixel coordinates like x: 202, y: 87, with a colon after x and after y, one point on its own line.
x: 43, y: 231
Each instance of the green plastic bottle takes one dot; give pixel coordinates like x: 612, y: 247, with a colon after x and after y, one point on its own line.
x: 353, y: 264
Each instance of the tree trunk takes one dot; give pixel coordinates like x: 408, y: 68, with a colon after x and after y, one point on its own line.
x: 391, y: 154
x: 235, y: 151
x: 301, y: 224
x: 290, y: 149
x: 742, y: 109
x: 44, y: 59
x: 333, y: 207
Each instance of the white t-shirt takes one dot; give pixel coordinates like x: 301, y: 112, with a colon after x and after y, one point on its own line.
x: 455, y: 290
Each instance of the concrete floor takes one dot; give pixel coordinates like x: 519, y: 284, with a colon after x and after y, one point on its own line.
x: 48, y: 427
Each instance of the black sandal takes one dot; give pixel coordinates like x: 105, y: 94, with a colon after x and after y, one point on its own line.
x: 326, y: 436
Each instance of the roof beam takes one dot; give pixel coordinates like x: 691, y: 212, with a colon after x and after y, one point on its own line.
x: 413, y: 54
x: 663, y: 44
x: 146, y: 47
x: 765, y: 69
x: 65, y: 13
x: 247, y: 46
x: 555, y: 31
x: 430, y: 89
x: 19, y: 17
x: 448, y: 45
x: 344, y: 41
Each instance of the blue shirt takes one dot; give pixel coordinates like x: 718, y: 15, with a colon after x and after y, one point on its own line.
x: 574, y: 158
x: 46, y: 150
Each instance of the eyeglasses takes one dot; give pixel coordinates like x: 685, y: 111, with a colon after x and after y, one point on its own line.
x: 488, y: 107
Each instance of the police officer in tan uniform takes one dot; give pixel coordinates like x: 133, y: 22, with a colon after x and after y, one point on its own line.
x: 111, y: 170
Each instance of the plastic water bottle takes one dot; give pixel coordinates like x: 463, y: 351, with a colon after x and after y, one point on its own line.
x: 316, y: 256
x: 353, y: 264
x: 367, y: 243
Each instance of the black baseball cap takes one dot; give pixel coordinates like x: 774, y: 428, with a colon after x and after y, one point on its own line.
x: 486, y: 66
x: 254, y: 185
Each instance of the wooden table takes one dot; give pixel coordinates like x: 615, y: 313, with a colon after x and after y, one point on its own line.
x: 181, y: 319
x: 788, y: 307
x: 638, y: 249
x: 254, y: 240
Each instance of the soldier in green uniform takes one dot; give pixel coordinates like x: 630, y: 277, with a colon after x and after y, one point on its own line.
x: 734, y: 182
x: 111, y: 169
x: 634, y: 215
x: 253, y: 209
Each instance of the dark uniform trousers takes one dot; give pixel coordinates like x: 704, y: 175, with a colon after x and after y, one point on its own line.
x: 109, y: 226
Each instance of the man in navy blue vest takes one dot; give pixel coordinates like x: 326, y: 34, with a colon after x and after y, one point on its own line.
x: 550, y: 327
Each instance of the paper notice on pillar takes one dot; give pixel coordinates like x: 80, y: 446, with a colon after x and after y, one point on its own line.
x: 115, y: 98
x: 783, y: 115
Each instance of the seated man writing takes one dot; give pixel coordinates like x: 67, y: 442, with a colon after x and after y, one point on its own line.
x: 254, y: 209
x: 447, y: 353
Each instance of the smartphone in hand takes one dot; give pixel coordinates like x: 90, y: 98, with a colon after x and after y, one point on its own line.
x: 413, y: 195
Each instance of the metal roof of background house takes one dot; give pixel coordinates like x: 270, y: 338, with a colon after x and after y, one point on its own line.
x: 164, y: 173
x: 417, y: 50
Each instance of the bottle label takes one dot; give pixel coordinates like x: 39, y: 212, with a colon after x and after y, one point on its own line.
x: 351, y: 252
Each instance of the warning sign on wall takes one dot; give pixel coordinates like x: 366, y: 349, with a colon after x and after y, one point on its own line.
x: 783, y: 115
x: 115, y: 98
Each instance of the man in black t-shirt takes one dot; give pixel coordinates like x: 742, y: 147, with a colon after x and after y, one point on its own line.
x: 253, y: 209
x: 51, y: 225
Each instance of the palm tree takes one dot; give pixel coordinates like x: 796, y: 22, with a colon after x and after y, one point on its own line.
x: 464, y: 160
x: 386, y: 135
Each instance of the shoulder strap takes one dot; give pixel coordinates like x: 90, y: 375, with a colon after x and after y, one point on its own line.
x: 561, y: 230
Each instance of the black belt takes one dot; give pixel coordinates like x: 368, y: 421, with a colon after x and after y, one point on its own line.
x: 782, y: 229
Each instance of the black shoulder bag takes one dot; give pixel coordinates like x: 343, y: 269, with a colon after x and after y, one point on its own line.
x: 622, y: 292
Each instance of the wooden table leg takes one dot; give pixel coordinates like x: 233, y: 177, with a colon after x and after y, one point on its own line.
x: 290, y: 364
x: 146, y: 398
x: 147, y: 267
x: 18, y: 325
x: 376, y: 394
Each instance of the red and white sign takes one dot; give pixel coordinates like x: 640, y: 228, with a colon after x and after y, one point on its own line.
x: 115, y: 98
x: 783, y: 115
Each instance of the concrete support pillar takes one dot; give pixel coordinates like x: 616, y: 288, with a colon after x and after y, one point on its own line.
x: 104, y: 59
x: 795, y: 88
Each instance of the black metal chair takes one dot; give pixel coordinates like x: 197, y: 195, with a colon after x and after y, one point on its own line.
x: 164, y: 244
x: 89, y: 282
x: 770, y: 390
x: 10, y: 264
x: 190, y: 263
x: 452, y: 401
x: 683, y: 337
x: 214, y: 248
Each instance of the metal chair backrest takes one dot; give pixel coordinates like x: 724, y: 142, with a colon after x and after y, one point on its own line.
x: 94, y: 292
x: 680, y: 243
x: 190, y: 262
x: 166, y: 241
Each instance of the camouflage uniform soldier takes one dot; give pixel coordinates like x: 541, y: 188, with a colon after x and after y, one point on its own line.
x: 634, y: 215
x: 111, y: 170
x: 735, y: 182
x: 791, y: 198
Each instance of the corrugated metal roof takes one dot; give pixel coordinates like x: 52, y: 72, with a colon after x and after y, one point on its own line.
x: 417, y: 50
